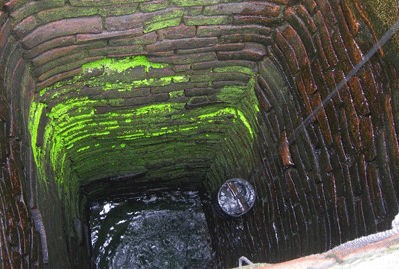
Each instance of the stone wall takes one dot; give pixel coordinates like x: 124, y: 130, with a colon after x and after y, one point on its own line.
x: 71, y: 68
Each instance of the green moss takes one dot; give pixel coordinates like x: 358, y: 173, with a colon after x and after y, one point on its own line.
x: 120, y: 65
x: 239, y: 69
x: 151, y: 27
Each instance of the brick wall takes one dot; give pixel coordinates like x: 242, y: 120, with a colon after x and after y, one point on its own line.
x: 334, y: 182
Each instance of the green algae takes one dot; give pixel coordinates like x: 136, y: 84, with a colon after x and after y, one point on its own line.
x: 86, y: 137
x: 120, y: 65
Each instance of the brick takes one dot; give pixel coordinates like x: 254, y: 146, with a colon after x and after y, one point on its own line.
x: 25, y: 26
x: 238, y: 38
x: 33, y: 7
x: 4, y: 33
x: 137, y: 40
x: 199, y: 91
x: 153, y: 5
x: 109, y: 35
x: 189, y: 3
x: 53, y: 54
x: 229, y: 47
x: 327, y: 12
x: 246, y: 8
x: 186, y: 43
x: 288, y: 52
x: 85, y: 3
x: 302, y: 30
x: 264, y: 102
x: 131, y: 21
x: 368, y: 138
x: 153, y: 26
x: 220, y: 30
x: 325, y: 38
x: 177, y: 32
x: 350, y: 17
x: 296, y: 43
x: 206, y: 20
x: 161, y: 72
x: 307, y: 19
x: 251, y: 52
x: 322, y: 119
x: 63, y: 41
x: 259, y: 20
x: 185, y: 59
x: 62, y: 28
x: 359, y: 100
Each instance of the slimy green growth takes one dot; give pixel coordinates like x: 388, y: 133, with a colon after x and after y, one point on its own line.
x: 104, y: 122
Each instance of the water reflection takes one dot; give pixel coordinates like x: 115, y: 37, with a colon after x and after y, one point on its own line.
x: 155, y: 230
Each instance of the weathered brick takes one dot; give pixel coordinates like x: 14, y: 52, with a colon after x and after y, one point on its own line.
x: 180, y: 31
x: 245, y: 8
x: 189, y: 3
x: 206, y: 20
x: 62, y: 28
x: 360, y: 101
x: 199, y: 91
x: 160, y: 72
x: 109, y: 35
x: 325, y: 38
x: 153, y: 5
x: 4, y: 33
x: 322, y: 119
x: 310, y: 6
x: 350, y: 17
x: 33, y: 7
x: 63, y: 41
x: 25, y: 26
x: 220, y: 30
x: 137, y: 40
x: 238, y: 38
x: 53, y: 54
x: 229, y: 47
x: 251, y: 52
x: 296, y: 43
x: 288, y: 52
x: 102, y: 2
x: 368, y: 138
x: 302, y: 30
x: 186, y: 43
x: 259, y: 20
x: 131, y: 21
x: 50, y: 81
x: 185, y: 59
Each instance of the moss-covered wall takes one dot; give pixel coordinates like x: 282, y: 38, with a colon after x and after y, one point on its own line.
x: 166, y: 90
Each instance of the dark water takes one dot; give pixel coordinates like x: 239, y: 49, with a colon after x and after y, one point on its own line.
x: 154, y: 230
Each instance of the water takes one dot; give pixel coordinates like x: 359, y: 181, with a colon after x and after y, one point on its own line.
x: 153, y: 230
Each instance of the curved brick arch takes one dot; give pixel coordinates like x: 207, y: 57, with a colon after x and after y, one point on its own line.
x: 339, y: 171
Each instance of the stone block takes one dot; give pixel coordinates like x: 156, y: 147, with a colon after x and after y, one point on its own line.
x: 53, y: 54
x: 157, y: 25
x: 189, y: 3
x: 186, y: 43
x: 258, y: 20
x: 161, y: 72
x: 63, y: 41
x: 177, y: 32
x: 136, y: 40
x: 185, y: 58
x: 109, y: 35
x: 125, y: 22
x: 251, y: 52
x: 62, y: 28
x: 199, y: 91
x: 206, y: 20
x: 153, y: 5
x: 90, y: 3
x: 266, y: 9
x: 32, y: 7
x: 25, y: 26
